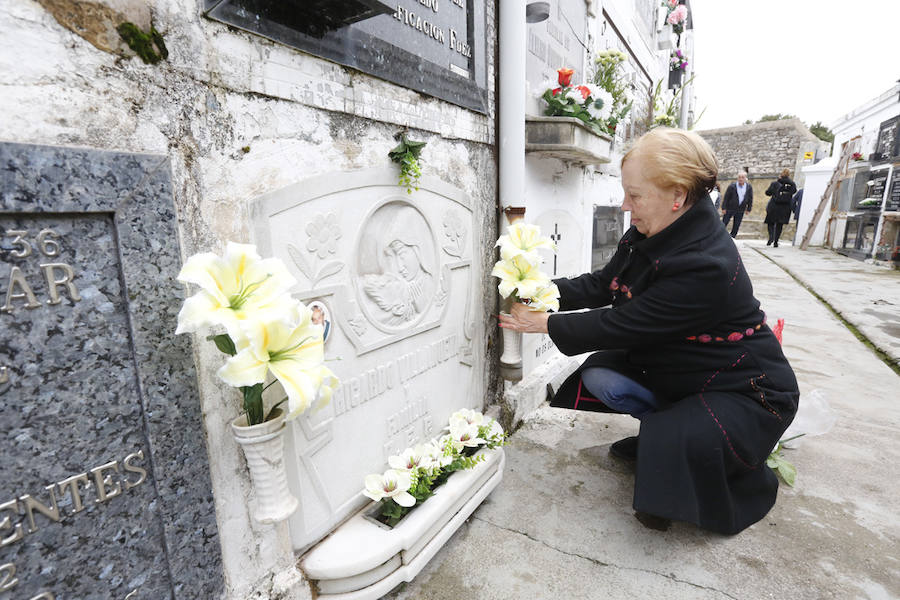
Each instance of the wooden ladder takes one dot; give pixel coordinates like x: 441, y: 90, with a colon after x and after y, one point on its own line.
x: 839, y: 171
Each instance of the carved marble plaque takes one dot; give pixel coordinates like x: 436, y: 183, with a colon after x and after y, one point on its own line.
x: 396, y: 276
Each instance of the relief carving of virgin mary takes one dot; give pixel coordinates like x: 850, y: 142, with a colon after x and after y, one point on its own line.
x: 396, y: 264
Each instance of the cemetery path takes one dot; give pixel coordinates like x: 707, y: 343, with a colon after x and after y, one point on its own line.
x: 560, y: 525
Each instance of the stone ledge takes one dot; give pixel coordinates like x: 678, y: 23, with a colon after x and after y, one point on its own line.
x: 566, y: 138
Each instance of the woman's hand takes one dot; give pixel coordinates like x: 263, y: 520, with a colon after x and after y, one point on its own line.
x: 525, y: 320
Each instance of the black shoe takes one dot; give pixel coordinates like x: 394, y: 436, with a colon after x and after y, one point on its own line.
x: 769, y: 243
x: 775, y: 244
x: 625, y: 449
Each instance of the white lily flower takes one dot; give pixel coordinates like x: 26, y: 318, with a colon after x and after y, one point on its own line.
x: 519, y: 274
x: 472, y: 417
x: 295, y: 356
x: 523, y: 239
x: 547, y: 298
x: 233, y: 288
x: 464, y: 433
x: 412, y: 458
x: 393, y: 484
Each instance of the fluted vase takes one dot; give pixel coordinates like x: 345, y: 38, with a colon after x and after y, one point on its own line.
x: 263, y: 446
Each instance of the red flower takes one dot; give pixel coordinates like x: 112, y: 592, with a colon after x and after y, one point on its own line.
x: 556, y: 91
x: 614, y: 284
x: 585, y: 91
x: 705, y: 337
x: 749, y: 331
x: 565, y: 76
x: 735, y: 336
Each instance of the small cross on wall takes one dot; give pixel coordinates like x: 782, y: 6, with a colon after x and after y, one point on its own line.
x: 555, y: 236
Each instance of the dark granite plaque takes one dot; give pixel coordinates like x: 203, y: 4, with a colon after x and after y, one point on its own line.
x: 436, y: 47
x: 887, y: 146
x: 893, y: 199
x: 105, y: 490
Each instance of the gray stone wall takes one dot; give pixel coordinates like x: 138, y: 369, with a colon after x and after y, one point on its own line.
x: 763, y: 150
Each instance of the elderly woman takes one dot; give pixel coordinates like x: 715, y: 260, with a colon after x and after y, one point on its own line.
x: 778, y: 210
x: 682, y: 345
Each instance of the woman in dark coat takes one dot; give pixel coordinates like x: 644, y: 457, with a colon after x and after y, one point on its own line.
x: 682, y: 345
x: 778, y: 211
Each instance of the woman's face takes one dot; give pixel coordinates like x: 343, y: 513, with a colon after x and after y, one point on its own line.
x: 651, y: 206
x: 407, y: 262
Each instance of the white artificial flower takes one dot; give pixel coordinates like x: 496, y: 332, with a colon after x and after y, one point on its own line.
x: 520, y: 276
x: 464, y: 434
x: 412, y: 458
x: 294, y: 354
x: 548, y: 84
x: 522, y: 239
x: 393, y: 484
x: 547, y: 298
x: 435, y: 450
x: 472, y: 417
x: 575, y: 94
x: 233, y: 288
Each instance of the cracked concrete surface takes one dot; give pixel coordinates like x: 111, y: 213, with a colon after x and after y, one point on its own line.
x: 561, y: 525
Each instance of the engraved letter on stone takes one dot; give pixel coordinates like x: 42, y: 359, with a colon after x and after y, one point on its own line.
x: 17, y: 278
x: 31, y: 504
x: 6, y: 523
x: 127, y: 466
x: 72, y: 483
x: 66, y: 280
x: 102, y: 482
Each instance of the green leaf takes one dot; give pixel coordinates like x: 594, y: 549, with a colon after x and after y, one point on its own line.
x: 788, y: 472
x: 224, y: 343
x: 253, y: 404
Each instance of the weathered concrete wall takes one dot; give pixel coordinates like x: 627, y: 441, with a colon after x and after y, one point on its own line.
x: 238, y: 116
x: 763, y: 149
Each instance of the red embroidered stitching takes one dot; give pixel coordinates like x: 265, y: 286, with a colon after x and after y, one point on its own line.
x: 716, y: 419
x: 762, y: 397
x: 736, y: 271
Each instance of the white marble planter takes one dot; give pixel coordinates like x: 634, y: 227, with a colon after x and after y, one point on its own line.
x: 263, y: 446
x: 566, y: 138
x: 364, y: 559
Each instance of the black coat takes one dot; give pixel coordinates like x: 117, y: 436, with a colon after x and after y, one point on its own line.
x: 778, y: 210
x: 685, y: 324
x: 730, y: 201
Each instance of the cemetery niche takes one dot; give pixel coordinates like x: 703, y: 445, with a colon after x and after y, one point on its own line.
x: 436, y: 47
x: 106, y: 488
x: 397, y: 276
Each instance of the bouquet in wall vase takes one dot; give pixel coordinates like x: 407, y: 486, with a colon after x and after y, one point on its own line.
x: 587, y: 102
x: 266, y: 332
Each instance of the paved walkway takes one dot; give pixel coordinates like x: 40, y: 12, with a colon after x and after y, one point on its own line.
x: 561, y: 526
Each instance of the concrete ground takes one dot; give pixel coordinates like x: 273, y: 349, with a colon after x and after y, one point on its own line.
x: 561, y: 526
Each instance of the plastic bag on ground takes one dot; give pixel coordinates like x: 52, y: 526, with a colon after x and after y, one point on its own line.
x: 814, y: 417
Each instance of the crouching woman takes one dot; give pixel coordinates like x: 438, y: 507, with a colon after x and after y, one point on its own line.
x: 680, y: 343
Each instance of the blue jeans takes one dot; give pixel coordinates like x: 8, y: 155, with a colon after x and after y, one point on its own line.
x: 619, y: 392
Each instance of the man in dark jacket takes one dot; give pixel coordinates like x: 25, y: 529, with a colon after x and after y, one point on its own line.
x: 738, y: 200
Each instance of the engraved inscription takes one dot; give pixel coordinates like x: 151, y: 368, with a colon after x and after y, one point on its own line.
x: 19, y: 290
x: 397, y: 265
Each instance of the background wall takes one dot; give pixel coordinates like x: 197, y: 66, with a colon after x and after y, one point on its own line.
x: 238, y: 116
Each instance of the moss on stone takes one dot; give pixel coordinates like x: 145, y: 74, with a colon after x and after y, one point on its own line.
x: 149, y: 46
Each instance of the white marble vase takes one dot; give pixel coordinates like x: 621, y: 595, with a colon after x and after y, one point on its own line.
x: 263, y: 446
x: 512, y: 348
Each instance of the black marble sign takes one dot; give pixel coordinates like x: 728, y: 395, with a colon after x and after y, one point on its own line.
x: 887, y: 146
x: 105, y: 490
x: 436, y: 47
x: 893, y: 199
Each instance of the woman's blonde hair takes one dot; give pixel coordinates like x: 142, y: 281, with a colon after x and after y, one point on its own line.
x: 679, y: 159
x: 785, y: 172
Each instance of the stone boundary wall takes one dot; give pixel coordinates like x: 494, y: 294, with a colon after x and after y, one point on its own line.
x: 763, y: 149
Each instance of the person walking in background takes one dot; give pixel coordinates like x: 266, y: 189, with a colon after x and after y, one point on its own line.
x: 716, y: 196
x: 738, y: 200
x: 778, y: 210
x: 796, y: 202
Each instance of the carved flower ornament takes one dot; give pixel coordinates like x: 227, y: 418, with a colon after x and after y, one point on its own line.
x: 323, y: 232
